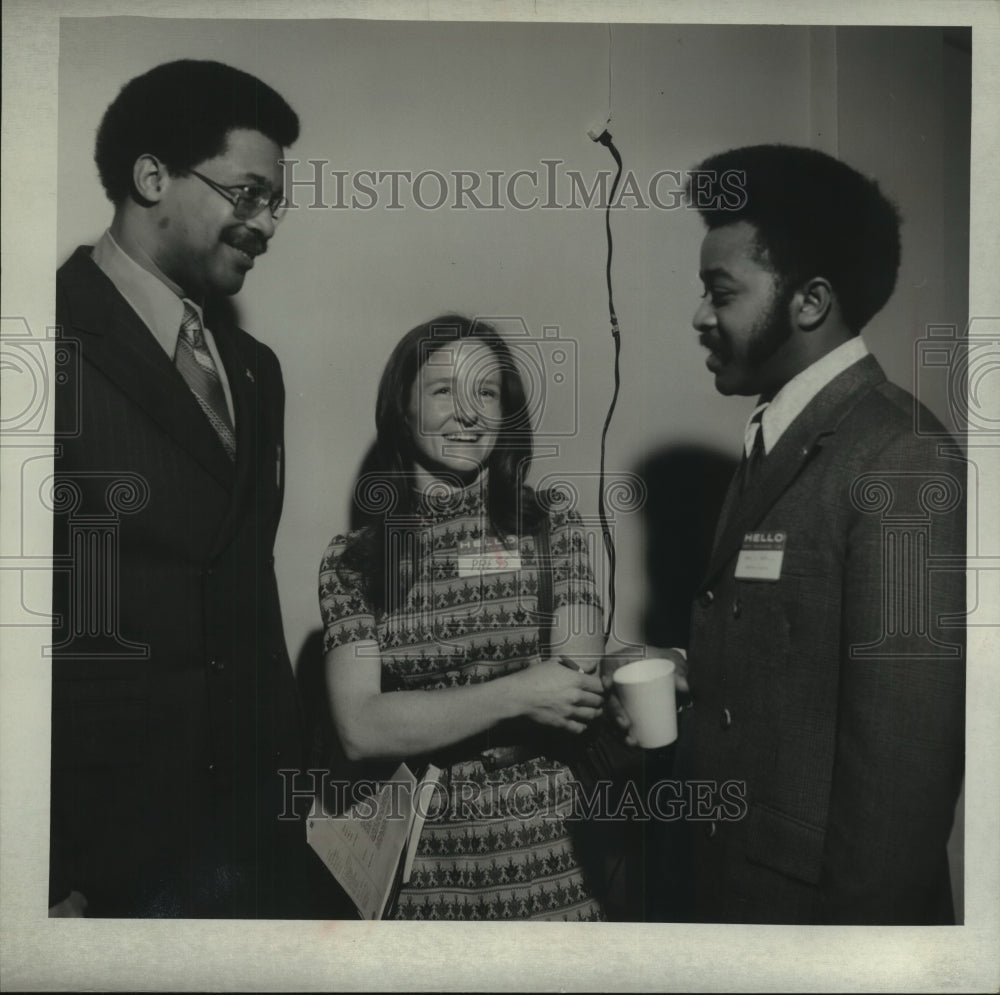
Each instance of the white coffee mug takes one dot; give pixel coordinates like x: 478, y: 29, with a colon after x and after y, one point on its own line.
x: 646, y: 691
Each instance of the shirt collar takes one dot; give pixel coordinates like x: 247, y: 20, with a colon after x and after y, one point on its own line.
x: 160, y: 309
x: 792, y: 399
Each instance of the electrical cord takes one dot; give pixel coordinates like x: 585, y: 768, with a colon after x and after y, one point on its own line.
x: 609, y: 544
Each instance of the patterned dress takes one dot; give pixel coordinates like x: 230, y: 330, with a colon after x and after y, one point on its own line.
x: 498, y: 840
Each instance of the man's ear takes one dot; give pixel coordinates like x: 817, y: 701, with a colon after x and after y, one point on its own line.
x: 149, y: 178
x: 812, y: 303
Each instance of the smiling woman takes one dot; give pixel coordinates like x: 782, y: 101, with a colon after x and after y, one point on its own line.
x: 433, y: 649
x: 454, y: 412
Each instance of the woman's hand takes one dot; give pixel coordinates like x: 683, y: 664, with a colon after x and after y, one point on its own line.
x: 610, y: 663
x: 557, y: 695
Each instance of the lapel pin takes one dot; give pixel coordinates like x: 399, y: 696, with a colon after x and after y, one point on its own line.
x: 250, y: 376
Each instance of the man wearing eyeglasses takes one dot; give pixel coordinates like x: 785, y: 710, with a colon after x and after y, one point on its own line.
x: 174, y: 702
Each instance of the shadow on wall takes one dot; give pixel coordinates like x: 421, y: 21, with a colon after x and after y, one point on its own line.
x: 686, y: 486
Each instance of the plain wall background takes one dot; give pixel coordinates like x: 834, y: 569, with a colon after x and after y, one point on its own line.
x: 339, y: 287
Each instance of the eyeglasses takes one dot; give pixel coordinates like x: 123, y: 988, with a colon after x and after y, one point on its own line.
x: 248, y: 201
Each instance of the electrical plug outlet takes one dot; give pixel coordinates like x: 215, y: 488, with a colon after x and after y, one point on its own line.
x: 596, y: 129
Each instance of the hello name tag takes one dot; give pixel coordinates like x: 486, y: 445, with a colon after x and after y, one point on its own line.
x: 761, y: 556
x: 475, y: 558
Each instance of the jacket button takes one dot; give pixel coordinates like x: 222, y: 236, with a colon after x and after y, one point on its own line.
x: 706, y: 599
x: 726, y: 719
x: 710, y: 830
x: 218, y: 665
x: 737, y: 608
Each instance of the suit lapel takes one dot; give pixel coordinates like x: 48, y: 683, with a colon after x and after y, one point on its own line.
x: 114, y: 339
x: 729, y: 505
x: 240, y: 371
x: 785, y: 462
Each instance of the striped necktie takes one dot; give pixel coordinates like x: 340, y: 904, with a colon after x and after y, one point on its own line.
x: 195, y: 364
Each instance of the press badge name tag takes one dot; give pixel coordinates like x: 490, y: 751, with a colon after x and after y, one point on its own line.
x: 475, y: 559
x: 761, y: 556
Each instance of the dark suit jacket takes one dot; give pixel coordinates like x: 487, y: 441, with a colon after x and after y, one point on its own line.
x: 832, y: 700
x: 173, y: 702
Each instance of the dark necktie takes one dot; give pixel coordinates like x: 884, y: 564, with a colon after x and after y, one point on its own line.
x: 195, y: 364
x: 752, y: 462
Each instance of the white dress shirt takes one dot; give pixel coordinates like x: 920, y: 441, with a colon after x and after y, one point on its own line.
x: 792, y: 399
x: 159, y: 307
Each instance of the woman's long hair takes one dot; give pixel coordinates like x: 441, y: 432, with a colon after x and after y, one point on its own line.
x: 386, y: 493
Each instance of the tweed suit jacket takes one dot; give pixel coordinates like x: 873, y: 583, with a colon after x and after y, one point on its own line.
x: 830, y: 701
x: 174, y: 702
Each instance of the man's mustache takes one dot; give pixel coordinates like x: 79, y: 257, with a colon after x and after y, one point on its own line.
x: 250, y: 242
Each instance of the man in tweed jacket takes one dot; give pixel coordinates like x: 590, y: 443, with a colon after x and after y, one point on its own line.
x: 827, y: 649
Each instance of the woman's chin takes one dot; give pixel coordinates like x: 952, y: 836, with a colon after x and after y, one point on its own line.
x: 451, y: 472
